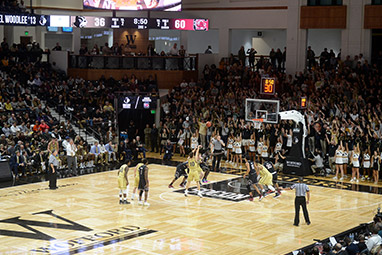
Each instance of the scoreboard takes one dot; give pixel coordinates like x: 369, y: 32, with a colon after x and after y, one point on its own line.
x: 139, y: 23
x: 29, y: 19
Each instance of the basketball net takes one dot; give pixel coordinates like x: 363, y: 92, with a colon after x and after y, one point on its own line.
x: 257, y: 123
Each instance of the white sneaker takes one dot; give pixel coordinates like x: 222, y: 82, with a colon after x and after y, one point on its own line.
x: 363, y: 178
x: 132, y: 197
x: 352, y: 180
x: 357, y: 181
x: 342, y: 178
x: 140, y: 202
x: 200, y: 194
x: 185, y: 192
x: 146, y: 204
x: 335, y: 178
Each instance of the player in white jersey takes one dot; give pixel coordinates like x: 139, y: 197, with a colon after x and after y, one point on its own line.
x: 339, y: 162
x: 366, y: 165
x: 355, y: 162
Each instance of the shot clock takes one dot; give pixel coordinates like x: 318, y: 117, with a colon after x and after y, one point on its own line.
x: 268, y: 86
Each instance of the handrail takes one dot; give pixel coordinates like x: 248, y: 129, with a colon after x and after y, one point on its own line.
x: 186, y: 63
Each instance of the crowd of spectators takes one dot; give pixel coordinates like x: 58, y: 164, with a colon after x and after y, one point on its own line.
x: 364, y: 240
x: 126, y: 50
x: 12, y: 6
x: 343, y: 109
x: 28, y: 122
x: 343, y: 113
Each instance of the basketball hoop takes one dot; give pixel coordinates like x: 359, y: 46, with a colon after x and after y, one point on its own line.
x: 257, y: 123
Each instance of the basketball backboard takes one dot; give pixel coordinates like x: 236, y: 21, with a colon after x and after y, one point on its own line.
x: 264, y: 109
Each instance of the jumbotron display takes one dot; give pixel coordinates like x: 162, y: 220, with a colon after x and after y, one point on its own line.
x: 140, y: 23
x: 134, y: 5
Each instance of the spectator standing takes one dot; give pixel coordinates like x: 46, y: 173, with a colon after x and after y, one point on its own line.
x: 310, y: 55
x: 52, y: 173
x: 147, y: 132
x: 251, y: 57
x: 208, y: 50
x: 154, y: 139
x: 57, y: 47
x: 241, y: 55
x: 71, y: 150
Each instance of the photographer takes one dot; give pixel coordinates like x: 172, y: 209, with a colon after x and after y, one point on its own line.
x: 318, y: 161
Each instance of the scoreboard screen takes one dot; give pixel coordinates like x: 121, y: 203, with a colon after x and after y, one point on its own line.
x: 140, y: 23
x: 132, y: 102
x: 268, y: 86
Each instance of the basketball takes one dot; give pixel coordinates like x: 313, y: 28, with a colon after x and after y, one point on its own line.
x: 209, y: 124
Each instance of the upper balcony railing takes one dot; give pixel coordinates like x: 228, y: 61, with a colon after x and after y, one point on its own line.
x: 188, y: 63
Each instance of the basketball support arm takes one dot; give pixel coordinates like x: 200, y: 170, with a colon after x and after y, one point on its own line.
x: 298, y: 118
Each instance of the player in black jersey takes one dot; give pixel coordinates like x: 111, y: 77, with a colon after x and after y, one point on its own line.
x: 269, y: 166
x: 143, y: 185
x: 181, y: 170
x: 204, y: 166
x: 252, y: 178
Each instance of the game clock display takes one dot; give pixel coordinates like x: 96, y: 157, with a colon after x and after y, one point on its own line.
x: 140, y: 23
x: 268, y: 86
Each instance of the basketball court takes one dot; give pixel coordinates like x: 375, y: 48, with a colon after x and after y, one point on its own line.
x: 84, y: 216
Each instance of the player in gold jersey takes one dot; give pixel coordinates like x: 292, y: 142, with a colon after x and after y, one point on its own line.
x: 123, y: 184
x: 196, y: 172
x: 136, y: 179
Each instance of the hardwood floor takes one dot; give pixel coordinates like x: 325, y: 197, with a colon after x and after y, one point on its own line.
x: 86, y: 218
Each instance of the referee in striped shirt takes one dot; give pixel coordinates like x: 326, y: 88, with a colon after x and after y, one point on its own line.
x: 302, y: 190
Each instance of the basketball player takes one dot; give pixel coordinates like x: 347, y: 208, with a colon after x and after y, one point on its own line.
x: 265, y: 178
x: 143, y: 182
x: 196, y: 172
x: 204, y: 166
x: 181, y: 170
x: 136, y: 179
x: 252, y: 177
x: 269, y: 166
x: 123, y: 184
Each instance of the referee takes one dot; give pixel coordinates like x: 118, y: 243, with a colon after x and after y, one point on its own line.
x: 52, y: 173
x: 301, y: 190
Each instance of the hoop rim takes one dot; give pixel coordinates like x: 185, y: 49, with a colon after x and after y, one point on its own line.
x: 257, y: 120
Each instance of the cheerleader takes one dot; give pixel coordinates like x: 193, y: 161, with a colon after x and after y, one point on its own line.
x: 366, y: 165
x: 279, y: 145
x: 194, y: 141
x: 181, y: 139
x: 230, y: 155
x: 376, y: 159
x: 339, y: 162
x: 252, y: 148
x: 264, y: 150
x: 260, y: 144
x: 237, y: 148
x: 355, y: 162
x: 345, y: 160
